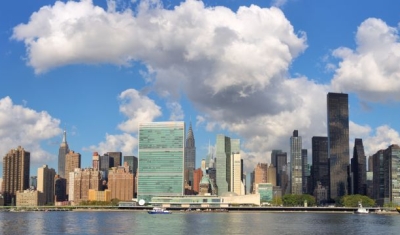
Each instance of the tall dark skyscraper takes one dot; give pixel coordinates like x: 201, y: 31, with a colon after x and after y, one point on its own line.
x: 115, y: 159
x: 296, y: 185
x: 359, y: 168
x: 281, y: 162
x: 320, y: 162
x: 273, y: 156
x: 190, y: 156
x: 63, y: 150
x: 338, y: 142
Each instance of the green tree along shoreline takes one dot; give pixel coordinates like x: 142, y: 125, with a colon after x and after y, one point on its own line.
x: 353, y: 200
x: 298, y: 200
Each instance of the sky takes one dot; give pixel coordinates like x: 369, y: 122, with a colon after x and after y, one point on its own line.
x: 253, y: 70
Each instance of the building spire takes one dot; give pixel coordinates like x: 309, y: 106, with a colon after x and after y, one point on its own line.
x: 64, y: 137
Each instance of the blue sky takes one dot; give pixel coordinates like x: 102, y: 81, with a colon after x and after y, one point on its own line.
x: 254, y: 70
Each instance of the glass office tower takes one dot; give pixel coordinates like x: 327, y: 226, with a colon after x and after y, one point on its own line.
x: 338, y: 142
x: 161, y: 159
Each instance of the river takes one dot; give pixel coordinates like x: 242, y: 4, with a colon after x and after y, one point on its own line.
x: 128, y: 222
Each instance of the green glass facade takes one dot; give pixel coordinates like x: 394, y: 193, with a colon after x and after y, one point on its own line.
x: 161, y: 160
x: 265, y: 190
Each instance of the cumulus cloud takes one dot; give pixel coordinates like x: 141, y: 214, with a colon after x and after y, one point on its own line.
x: 371, y: 70
x: 176, y: 111
x: 124, y: 143
x: 137, y: 108
x: 373, y: 139
x: 22, y: 126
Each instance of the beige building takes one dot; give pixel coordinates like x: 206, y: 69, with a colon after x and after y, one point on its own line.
x: 30, y: 198
x: 72, y: 161
x: 260, y: 175
x: 84, y: 179
x: 236, y: 174
x: 121, y: 183
x: 16, y: 164
x: 45, y: 183
x: 102, y: 196
x: 271, y: 175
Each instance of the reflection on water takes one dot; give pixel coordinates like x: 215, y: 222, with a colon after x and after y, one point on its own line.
x: 126, y: 222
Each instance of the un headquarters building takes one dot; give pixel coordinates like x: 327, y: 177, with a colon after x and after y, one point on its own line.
x: 161, y: 160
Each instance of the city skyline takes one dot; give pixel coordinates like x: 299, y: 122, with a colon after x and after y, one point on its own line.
x: 99, y: 87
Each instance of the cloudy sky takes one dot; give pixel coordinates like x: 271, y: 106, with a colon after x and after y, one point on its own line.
x: 254, y: 70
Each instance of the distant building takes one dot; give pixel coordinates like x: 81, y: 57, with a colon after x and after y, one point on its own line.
x: 60, y: 189
x: 320, y: 162
x: 281, y: 163
x: 72, y: 161
x: 266, y: 192
x: 45, y: 183
x: 63, y: 150
x: 225, y: 146
x: 296, y: 185
x: 33, y: 182
x: 237, y: 185
x: 391, y: 165
x: 274, y: 154
x: 132, y: 162
x: 338, y: 142
x: 27, y: 198
x: 115, y: 159
x: 190, y: 157
x: 271, y: 175
x: 83, y: 180
x: 100, y: 196
x: 358, y: 168
x: 378, y: 180
x: 16, y: 164
x: 105, y: 165
x: 260, y: 175
x: 197, y: 176
x: 161, y: 159
x: 320, y: 194
x: 121, y: 183
x: 96, y: 161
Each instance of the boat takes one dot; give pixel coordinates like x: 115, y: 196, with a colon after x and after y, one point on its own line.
x: 159, y: 210
x: 361, y: 209
x: 398, y: 209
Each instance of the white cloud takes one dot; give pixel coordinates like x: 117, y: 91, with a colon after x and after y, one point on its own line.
x: 22, y: 126
x: 373, y: 140
x: 138, y: 108
x: 279, y: 3
x: 371, y: 70
x: 176, y: 112
x: 124, y: 143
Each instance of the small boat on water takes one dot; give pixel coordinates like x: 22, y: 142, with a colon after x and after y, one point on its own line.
x: 159, y: 210
x: 361, y: 209
x: 398, y: 209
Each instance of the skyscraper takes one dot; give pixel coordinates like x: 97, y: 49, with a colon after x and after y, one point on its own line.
x: 72, y: 161
x: 16, y: 164
x: 225, y: 146
x: 45, y: 183
x: 115, y: 159
x: 96, y: 161
x: 161, y: 159
x: 121, y: 183
x: 338, y: 142
x: 296, y: 164
x: 281, y: 162
x: 260, y: 175
x: 320, y: 162
x: 190, y: 156
x: 132, y: 163
x: 105, y: 165
x: 63, y: 150
x: 359, y: 168
x: 305, y: 173
x: 273, y: 156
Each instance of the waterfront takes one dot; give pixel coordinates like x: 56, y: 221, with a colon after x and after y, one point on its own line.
x: 129, y: 222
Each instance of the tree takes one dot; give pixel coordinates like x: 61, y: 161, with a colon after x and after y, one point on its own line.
x: 353, y: 200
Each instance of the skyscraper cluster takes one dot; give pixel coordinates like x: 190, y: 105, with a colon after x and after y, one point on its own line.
x: 166, y: 167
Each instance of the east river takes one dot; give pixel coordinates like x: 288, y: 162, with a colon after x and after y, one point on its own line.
x: 129, y: 222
